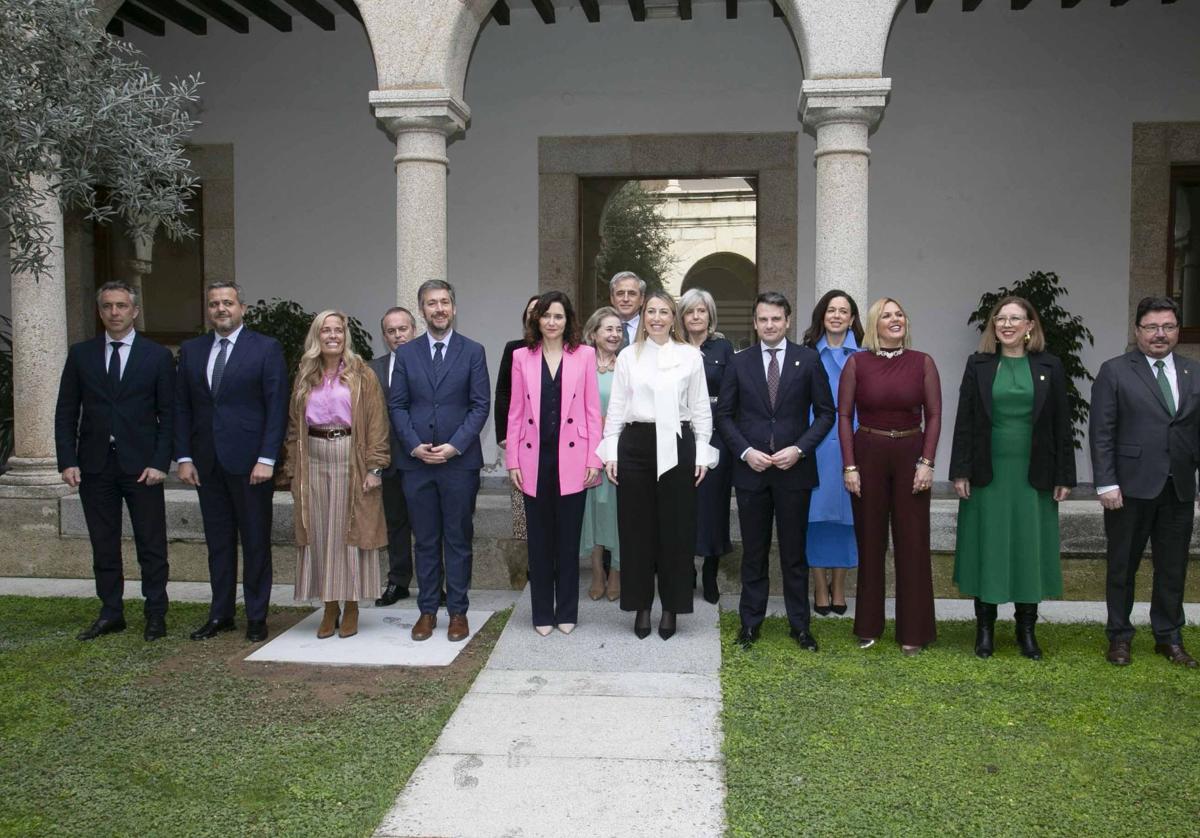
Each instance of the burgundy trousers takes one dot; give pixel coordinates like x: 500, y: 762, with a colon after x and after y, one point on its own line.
x: 886, y: 468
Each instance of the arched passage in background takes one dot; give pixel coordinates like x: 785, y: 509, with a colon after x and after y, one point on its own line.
x: 732, y: 279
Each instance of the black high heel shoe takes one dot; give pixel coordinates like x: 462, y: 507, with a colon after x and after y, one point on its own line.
x: 824, y: 610
x: 666, y: 625
x: 833, y: 606
x: 641, y: 624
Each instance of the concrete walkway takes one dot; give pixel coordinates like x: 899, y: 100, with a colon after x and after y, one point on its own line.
x: 596, y: 733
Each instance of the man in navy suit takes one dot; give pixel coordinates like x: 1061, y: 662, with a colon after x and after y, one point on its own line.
x: 230, y: 419
x: 763, y: 415
x: 112, y: 432
x: 399, y: 327
x: 439, y: 402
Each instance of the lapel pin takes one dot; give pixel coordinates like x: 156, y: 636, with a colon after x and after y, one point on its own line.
x: 1041, y: 378
x: 797, y: 363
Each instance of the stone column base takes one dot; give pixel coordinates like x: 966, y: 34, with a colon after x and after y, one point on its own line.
x: 33, y: 477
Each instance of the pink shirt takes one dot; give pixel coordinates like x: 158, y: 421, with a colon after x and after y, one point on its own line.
x: 329, y: 404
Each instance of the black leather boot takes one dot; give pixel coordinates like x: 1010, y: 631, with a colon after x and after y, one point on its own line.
x: 985, y: 628
x: 711, y: 594
x: 1026, y: 640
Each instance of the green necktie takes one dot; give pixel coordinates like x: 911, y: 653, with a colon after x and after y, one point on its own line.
x: 1165, y: 386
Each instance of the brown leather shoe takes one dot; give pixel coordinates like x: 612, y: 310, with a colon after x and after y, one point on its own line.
x: 349, y: 620
x: 1175, y: 653
x: 423, y: 628
x: 329, y: 620
x: 458, y: 630
x: 1118, y: 652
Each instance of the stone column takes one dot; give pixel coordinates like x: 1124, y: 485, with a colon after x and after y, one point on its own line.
x: 140, y: 267
x: 39, y: 328
x: 423, y: 124
x: 842, y: 113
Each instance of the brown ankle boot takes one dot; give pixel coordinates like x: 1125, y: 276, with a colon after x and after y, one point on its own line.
x: 349, y: 620
x: 329, y: 621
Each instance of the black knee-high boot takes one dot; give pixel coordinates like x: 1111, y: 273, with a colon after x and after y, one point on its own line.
x: 1026, y: 640
x: 985, y: 628
x: 711, y: 593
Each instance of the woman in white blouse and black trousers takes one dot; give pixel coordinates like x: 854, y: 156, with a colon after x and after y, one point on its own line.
x: 656, y: 451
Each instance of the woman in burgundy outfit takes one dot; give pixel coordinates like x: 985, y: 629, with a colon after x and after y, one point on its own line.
x: 888, y: 469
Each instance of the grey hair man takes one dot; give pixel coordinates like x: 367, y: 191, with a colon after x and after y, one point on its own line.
x: 627, y: 291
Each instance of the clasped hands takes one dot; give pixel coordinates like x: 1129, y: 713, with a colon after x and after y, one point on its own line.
x: 782, y: 460
x: 433, y: 455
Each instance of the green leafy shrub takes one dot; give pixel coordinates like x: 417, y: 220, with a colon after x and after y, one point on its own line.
x: 1065, y: 334
x: 287, y: 321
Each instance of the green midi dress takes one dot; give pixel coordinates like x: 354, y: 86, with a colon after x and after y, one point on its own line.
x: 1008, y: 542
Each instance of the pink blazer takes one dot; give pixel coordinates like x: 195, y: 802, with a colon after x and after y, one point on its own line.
x: 579, y: 420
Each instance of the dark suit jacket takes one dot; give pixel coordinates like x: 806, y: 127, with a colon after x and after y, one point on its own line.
x: 504, y: 389
x: 380, y: 366
x: 247, y: 420
x: 137, y: 413
x: 450, y: 407
x: 1136, y: 443
x: 1052, y: 455
x: 746, y: 420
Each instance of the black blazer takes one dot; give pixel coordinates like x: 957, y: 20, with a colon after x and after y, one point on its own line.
x: 1052, y: 455
x: 1136, y: 443
x: 380, y: 366
x: 746, y: 420
x: 137, y: 414
x: 504, y: 390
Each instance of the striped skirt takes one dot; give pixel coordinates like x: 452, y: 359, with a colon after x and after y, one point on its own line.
x: 328, y: 569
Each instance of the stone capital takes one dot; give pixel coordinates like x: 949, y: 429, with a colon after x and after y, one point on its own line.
x: 859, y: 102
x: 423, y: 111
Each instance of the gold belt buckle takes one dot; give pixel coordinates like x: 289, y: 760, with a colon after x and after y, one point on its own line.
x: 892, y: 434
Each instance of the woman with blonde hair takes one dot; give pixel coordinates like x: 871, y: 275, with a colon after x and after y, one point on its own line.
x: 656, y: 451
x: 337, y: 447
x: 1012, y: 463
x: 888, y: 468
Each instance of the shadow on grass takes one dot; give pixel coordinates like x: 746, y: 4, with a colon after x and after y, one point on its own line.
x: 868, y: 742
x: 124, y: 738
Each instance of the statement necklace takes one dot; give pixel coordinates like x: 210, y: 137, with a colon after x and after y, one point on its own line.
x: 603, y: 367
x: 890, y: 353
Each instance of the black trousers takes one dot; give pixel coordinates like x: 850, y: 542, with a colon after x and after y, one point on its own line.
x: 656, y: 517
x: 788, y: 510
x: 101, y: 494
x: 1166, y: 522
x: 553, y: 522
x: 233, y: 509
x: 395, y: 512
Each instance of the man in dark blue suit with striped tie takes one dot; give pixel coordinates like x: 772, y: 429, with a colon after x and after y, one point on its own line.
x: 230, y: 419
x: 112, y: 434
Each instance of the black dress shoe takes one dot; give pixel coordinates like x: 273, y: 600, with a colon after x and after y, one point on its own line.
x: 103, y: 625
x: 1176, y: 654
x: 212, y: 628
x: 156, y: 627
x: 256, y: 630
x: 641, y: 624
x: 391, y: 595
x: 746, y: 637
x: 666, y: 625
x: 804, y: 639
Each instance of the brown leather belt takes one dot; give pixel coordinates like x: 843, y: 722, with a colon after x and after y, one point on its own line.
x: 329, y: 433
x: 890, y: 434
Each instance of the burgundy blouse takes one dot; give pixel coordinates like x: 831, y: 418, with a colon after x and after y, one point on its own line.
x: 889, y: 395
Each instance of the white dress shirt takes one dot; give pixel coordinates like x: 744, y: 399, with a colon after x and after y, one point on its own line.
x: 1172, y: 380
x: 630, y: 327
x: 126, y: 347
x: 664, y: 385
x: 444, y: 341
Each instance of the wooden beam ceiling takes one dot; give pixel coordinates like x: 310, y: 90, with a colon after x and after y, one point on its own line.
x: 139, y: 18
x: 971, y: 5
x: 500, y: 13
x: 115, y: 28
x: 350, y: 8
x: 178, y: 14
x: 637, y: 8
x: 685, y: 9
x: 923, y: 6
x: 591, y: 8
x: 269, y: 13
x: 546, y: 9
x: 775, y: 10
x: 731, y: 9
x: 222, y: 12
x: 315, y: 12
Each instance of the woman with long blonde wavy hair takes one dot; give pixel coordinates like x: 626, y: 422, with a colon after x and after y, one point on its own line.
x: 337, y: 449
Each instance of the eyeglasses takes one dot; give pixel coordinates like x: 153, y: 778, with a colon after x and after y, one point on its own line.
x: 1155, y: 328
x: 1008, y: 321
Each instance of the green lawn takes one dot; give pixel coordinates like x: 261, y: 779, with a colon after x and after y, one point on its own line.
x: 118, y: 737
x: 868, y: 742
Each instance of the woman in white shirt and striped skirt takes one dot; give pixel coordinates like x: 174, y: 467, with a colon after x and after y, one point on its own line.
x: 656, y: 451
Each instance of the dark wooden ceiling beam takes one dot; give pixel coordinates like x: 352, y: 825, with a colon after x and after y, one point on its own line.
x: 775, y: 10
x: 500, y: 13
x: 269, y: 13
x: 179, y: 15
x: 1018, y: 5
x: 1070, y: 4
x: 546, y: 9
x: 971, y: 5
x: 685, y: 9
x: 591, y: 8
x: 731, y: 9
x: 923, y: 6
x: 349, y: 7
x: 115, y: 28
x: 139, y: 18
x: 1115, y: 3
x: 315, y: 12
x: 222, y: 12
x: 638, y: 9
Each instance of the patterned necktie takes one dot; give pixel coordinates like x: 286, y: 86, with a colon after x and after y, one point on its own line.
x: 114, y: 364
x: 1165, y: 385
x: 437, y: 357
x: 773, y: 377
x: 219, y: 366
x: 625, y: 337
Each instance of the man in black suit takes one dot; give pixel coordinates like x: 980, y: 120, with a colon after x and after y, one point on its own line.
x: 398, y: 326
x: 230, y: 419
x: 763, y: 415
x: 1145, y: 438
x: 112, y: 432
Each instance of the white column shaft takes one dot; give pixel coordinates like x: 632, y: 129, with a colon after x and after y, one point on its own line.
x: 842, y: 159
x: 421, y: 167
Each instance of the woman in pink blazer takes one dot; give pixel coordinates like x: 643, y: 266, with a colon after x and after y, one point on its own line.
x: 553, y: 431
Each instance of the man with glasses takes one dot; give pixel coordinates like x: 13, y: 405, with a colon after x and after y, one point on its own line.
x: 1145, y: 439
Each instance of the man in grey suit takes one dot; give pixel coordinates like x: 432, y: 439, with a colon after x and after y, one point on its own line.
x: 1145, y: 437
x: 399, y: 327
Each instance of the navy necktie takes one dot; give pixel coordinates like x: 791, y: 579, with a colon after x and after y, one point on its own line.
x: 114, y: 364
x: 219, y: 366
x: 437, y: 357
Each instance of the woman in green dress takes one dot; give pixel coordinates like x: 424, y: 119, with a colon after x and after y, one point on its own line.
x: 1012, y: 462
x: 603, y: 331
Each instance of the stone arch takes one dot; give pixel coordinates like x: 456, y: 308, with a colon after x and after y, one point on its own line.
x: 732, y: 279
